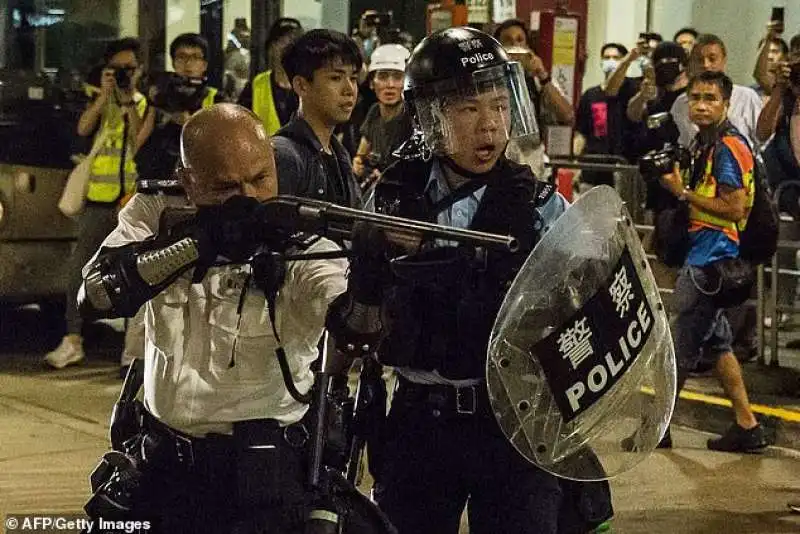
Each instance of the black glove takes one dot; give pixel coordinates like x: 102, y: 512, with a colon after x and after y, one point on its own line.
x: 370, y: 268
x: 232, y: 230
x: 355, y: 318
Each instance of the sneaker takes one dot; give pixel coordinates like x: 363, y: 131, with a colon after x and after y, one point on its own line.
x: 794, y: 506
x: 629, y: 444
x: 67, y: 353
x: 738, y: 439
x: 783, y: 320
x: 603, y: 528
x: 748, y: 354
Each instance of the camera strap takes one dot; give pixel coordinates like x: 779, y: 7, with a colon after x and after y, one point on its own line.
x: 122, y: 157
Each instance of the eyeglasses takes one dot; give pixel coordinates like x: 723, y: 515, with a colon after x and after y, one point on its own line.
x: 189, y: 58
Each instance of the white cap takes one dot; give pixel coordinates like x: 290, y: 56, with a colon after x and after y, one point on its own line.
x: 389, y: 57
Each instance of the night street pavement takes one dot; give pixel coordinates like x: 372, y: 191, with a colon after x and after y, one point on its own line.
x: 53, y: 427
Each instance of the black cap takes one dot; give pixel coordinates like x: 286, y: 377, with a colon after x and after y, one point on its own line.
x: 449, y: 58
x: 669, y: 50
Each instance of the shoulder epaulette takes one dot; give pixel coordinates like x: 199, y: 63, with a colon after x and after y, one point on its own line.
x: 302, y: 240
x: 544, y: 191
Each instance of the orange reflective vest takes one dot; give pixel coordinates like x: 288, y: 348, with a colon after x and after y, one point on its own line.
x: 707, y: 187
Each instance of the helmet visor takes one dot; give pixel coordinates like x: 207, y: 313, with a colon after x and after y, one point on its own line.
x: 483, y: 113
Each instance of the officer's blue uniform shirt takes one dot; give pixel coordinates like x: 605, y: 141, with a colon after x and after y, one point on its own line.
x: 460, y: 215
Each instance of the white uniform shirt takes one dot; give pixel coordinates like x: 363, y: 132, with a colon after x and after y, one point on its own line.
x: 206, y: 365
x: 744, y: 110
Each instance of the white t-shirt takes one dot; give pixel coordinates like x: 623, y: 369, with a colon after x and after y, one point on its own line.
x: 206, y: 365
x: 743, y: 113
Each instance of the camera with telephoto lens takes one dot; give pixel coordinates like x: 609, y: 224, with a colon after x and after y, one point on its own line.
x: 124, y: 77
x: 176, y: 93
x: 661, y: 161
x: 379, y: 20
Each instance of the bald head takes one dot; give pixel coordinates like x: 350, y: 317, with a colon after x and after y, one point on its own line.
x: 225, y: 151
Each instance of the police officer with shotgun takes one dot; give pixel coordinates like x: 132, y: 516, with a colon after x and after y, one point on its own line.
x: 233, y: 434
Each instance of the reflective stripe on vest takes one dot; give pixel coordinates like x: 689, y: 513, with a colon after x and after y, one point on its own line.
x: 264, y: 103
x: 708, y: 188
x: 104, y: 182
x: 208, y: 101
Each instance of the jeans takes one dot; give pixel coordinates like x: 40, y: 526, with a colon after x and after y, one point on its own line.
x: 700, y: 328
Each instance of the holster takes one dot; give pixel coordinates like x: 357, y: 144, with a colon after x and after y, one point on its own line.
x: 115, y: 483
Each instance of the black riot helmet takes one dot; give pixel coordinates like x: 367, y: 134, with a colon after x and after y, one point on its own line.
x: 456, y: 64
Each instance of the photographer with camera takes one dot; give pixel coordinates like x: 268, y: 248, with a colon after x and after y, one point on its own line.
x: 174, y: 97
x: 367, y: 34
x: 780, y: 118
x: 113, y: 118
x: 222, y: 440
x: 718, y: 191
x: 550, y: 103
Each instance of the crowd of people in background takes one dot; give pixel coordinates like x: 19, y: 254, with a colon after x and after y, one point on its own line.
x: 333, y: 106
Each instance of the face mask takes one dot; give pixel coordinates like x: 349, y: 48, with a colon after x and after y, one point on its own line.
x: 609, y: 65
x: 667, y: 73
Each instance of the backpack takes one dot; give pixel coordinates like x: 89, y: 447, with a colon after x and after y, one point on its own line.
x: 758, y: 242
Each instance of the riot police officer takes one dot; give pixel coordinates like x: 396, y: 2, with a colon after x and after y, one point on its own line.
x: 441, y: 443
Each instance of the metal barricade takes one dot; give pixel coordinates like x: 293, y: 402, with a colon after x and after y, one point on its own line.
x: 632, y: 189
x: 788, y: 247
x: 627, y: 181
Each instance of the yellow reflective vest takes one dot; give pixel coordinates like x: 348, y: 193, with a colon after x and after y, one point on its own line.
x: 707, y: 187
x: 264, y: 103
x: 208, y: 101
x: 104, y: 183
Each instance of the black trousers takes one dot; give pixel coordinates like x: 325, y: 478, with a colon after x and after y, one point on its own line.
x: 437, y: 460
x: 197, y: 486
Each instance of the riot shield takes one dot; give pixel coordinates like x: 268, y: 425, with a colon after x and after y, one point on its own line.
x: 581, y: 356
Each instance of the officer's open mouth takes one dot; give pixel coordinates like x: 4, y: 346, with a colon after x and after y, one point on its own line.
x: 485, y: 152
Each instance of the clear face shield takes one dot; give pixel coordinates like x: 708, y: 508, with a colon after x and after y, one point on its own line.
x: 472, y: 123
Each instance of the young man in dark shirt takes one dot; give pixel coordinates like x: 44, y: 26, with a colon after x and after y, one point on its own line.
x: 323, y: 66
x: 600, y: 120
x: 388, y: 123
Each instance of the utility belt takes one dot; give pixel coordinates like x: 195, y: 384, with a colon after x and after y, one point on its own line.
x: 444, y: 400
x: 172, y: 447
